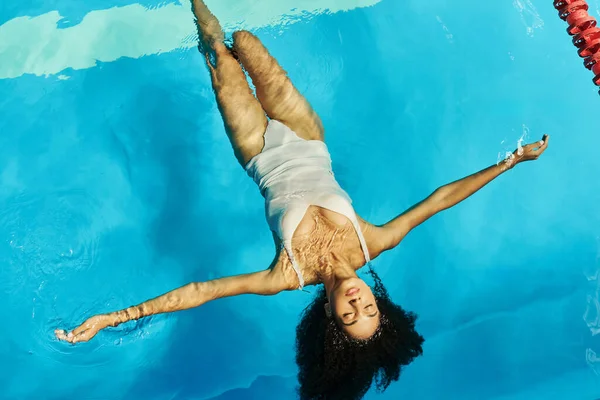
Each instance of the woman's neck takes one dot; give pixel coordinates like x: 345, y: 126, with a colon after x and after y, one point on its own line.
x: 332, y: 274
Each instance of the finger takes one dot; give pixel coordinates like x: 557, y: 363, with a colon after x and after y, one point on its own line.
x: 546, y: 139
x: 543, y: 145
x: 64, y: 336
x: 533, y: 146
x: 60, y: 334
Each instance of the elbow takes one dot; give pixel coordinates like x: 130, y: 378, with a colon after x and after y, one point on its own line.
x: 440, y: 199
x: 269, y: 284
x: 271, y: 291
x: 202, y: 292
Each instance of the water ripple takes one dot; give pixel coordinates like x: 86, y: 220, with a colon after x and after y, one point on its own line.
x: 49, y: 233
x: 48, y: 238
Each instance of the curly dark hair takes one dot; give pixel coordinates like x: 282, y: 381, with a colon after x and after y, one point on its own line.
x: 334, y: 366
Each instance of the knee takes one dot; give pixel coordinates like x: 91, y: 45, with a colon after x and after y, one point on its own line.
x: 242, y: 37
x: 245, y: 42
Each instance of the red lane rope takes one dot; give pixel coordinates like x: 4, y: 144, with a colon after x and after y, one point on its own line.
x: 586, y: 35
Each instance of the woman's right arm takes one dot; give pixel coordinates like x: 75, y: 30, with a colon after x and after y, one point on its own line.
x: 188, y: 296
x: 389, y: 235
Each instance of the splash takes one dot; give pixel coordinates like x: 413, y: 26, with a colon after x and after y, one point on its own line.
x: 507, y: 155
x: 597, y: 7
x: 591, y: 316
x: 449, y: 34
x: 529, y: 16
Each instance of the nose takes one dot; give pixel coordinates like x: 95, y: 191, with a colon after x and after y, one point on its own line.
x: 356, y: 300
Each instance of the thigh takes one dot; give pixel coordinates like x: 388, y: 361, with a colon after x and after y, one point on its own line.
x: 276, y: 93
x: 243, y: 116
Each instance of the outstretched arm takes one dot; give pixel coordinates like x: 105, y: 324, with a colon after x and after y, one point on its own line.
x: 390, y: 234
x: 188, y: 296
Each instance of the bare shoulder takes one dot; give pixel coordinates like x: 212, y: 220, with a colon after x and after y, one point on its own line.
x: 374, y: 236
x: 282, y: 274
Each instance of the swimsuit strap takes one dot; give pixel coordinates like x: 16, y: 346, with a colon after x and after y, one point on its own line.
x: 288, y: 248
x: 361, y: 239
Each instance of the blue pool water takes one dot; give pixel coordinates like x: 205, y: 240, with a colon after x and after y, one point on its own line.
x: 117, y: 184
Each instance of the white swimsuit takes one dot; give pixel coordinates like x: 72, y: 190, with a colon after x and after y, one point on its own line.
x: 293, y: 174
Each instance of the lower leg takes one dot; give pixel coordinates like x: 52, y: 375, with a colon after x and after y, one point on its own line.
x: 244, y: 119
x: 209, y: 29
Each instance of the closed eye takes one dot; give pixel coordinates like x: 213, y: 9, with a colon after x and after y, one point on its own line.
x: 356, y: 320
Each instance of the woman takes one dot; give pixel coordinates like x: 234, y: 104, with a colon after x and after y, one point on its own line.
x: 350, y: 335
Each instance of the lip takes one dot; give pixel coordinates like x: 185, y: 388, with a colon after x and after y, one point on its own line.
x: 352, y: 291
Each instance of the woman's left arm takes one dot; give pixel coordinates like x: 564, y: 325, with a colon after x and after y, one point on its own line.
x: 189, y: 296
x: 391, y: 234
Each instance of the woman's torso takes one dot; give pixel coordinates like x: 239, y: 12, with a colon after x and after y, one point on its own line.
x: 310, y: 214
x: 322, y: 238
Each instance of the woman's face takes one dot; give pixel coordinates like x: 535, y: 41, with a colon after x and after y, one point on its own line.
x: 354, y: 308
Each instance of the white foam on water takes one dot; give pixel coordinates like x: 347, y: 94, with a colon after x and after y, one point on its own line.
x: 35, y: 45
x: 530, y: 16
x: 507, y: 154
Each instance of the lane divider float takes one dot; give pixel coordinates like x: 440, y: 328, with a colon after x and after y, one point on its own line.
x: 586, y: 35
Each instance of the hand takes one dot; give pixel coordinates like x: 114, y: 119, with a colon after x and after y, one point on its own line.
x: 85, y: 331
x: 528, y: 152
